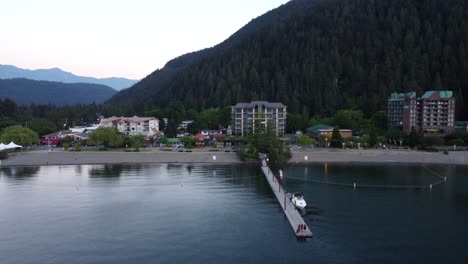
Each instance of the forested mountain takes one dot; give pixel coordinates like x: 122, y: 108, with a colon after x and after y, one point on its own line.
x: 57, y: 75
x: 321, y: 56
x: 24, y: 92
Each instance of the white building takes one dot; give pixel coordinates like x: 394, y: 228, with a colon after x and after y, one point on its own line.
x: 132, y: 126
x: 184, y: 124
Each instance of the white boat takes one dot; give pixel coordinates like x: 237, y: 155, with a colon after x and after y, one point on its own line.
x: 298, y: 200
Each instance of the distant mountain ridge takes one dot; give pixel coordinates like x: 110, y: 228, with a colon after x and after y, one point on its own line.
x: 58, y: 75
x: 25, y: 92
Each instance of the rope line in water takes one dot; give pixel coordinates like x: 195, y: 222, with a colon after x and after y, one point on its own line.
x: 356, y: 185
x: 435, y: 173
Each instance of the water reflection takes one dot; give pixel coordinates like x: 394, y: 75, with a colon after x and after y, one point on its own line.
x: 106, y: 171
x: 19, y: 173
x: 107, y: 220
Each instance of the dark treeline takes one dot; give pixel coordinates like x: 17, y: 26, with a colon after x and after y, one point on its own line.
x: 47, y: 118
x: 318, y: 57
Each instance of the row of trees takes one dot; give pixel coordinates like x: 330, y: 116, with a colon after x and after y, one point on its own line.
x: 355, y: 120
x: 19, y: 135
x: 45, y: 119
x: 175, y: 112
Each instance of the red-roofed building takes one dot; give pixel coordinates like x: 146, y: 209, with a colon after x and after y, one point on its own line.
x: 146, y: 126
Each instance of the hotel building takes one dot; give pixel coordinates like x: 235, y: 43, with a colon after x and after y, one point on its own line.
x: 432, y: 113
x: 247, y: 117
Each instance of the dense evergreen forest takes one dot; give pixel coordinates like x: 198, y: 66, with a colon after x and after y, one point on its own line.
x: 321, y: 56
x: 46, y: 119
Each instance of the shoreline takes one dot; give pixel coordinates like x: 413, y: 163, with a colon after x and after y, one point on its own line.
x: 377, y: 156
x: 46, y: 158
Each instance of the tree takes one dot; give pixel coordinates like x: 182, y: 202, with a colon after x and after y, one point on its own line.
x: 171, y: 128
x: 372, y: 137
x: 225, y: 116
x: 6, y: 122
x: 190, y: 142
x: 379, y: 121
x: 157, y: 112
x: 43, y: 126
x: 19, y: 135
x: 107, y: 136
x: 136, y: 142
x: 193, y: 128
x: 265, y: 140
x: 350, y: 119
x: 176, y: 111
x: 414, y: 138
x: 8, y: 108
x: 305, y: 140
x: 336, y: 135
x: 209, y: 118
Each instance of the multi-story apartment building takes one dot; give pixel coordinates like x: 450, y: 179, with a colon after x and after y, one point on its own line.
x: 402, y: 110
x: 247, y: 117
x: 437, y: 112
x: 146, y: 126
x: 432, y: 113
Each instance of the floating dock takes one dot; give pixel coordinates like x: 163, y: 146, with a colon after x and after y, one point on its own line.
x: 295, y: 219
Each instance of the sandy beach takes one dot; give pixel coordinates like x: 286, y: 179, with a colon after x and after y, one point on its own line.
x: 40, y: 158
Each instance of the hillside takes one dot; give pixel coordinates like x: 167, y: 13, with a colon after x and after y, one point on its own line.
x: 57, y: 75
x: 324, y: 55
x: 24, y: 92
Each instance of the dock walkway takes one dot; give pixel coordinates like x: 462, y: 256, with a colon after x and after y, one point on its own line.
x: 295, y: 219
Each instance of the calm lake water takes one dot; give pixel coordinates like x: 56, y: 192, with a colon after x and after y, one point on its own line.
x: 228, y: 214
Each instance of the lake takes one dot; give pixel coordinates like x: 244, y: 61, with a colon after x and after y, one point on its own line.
x: 228, y: 214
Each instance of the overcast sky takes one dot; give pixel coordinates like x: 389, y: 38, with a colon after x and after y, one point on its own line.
x: 120, y: 38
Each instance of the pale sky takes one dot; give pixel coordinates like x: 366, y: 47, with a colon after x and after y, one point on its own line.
x: 116, y: 38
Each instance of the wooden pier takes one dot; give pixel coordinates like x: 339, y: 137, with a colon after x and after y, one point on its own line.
x: 295, y: 219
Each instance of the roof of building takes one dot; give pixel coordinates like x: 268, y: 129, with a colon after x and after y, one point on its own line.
x: 57, y: 134
x: 319, y: 127
x: 461, y: 124
x: 400, y: 96
x: 134, y: 119
x: 442, y: 94
x: 260, y: 103
x: 324, y: 128
x: 155, y: 131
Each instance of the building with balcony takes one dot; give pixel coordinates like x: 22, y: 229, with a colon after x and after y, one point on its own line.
x: 402, y: 111
x: 432, y: 113
x: 132, y: 126
x: 248, y: 117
